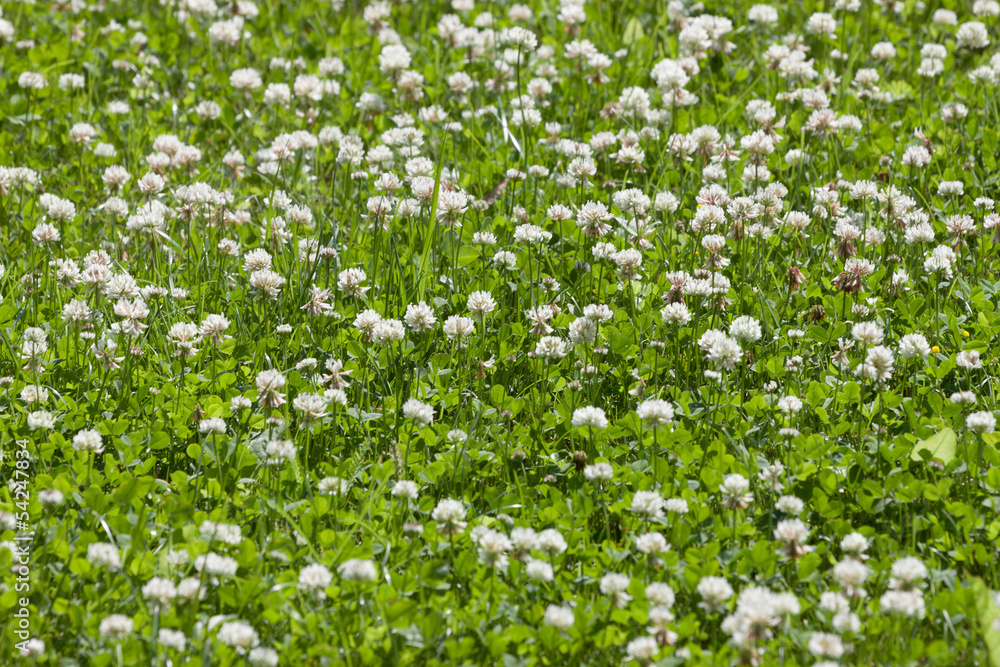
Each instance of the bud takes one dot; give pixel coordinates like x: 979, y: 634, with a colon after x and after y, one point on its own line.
x: 795, y: 278
x: 612, y: 110
x: 846, y: 282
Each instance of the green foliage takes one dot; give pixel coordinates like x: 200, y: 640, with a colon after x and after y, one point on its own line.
x: 494, y: 334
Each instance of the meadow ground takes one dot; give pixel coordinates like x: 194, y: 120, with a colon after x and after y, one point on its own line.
x: 482, y: 333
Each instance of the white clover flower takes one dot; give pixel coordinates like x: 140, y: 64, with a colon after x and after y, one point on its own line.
x: 450, y: 514
x: 972, y: 36
x: 350, y: 281
x: 88, y: 440
x: 968, y: 360
x: 356, y: 569
x: 524, y: 539
x: 41, y: 419
x: 50, y: 498
x: 867, y: 333
x: 559, y: 617
x: 643, y: 649
x: 745, y: 330
x: 851, y: 574
x: 551, y: 542
x: 333, y: 486
x: 459, y: 328
x: 651, y: 543
x: 116, y: 627
x: 216, y: 565
x: 660, y: 594
x: 551, y: 348
x: 212, y: 426
x: 914, y: 345
x: 963, y: 398
x: 790, y: 405
x: 269, y: 385
x: 172, y: 639
x: 481, y: 303
x: 735, y: 492
x: 160, y: 590
x: 262, y: 656
x: 656, y: 412
x: 406, y: 489
x: 104, y: 555
x: 790, y: 505
x: 981, y: 422
x: 420, y: 413
x: 222, y: 532
x: 315, y: 578
x: 903, y: 603
x: 493, y: 548
x: 599, y: 472
x: 793, y: 533
x: 714, y: 592
x: 826, y: 645
x: 676, y: 506
x: 239, y: 635
x: 648, y: 504
x: 589, y: 416
x: 725, y: 353
x: 539, y: 570
x: 675, y: 314
x: 614, y: 585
